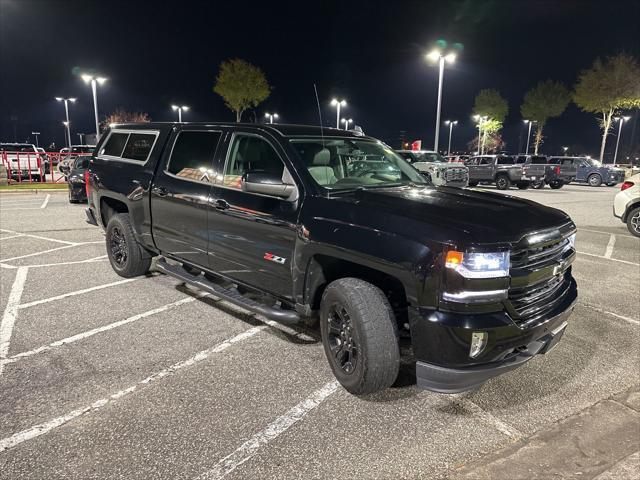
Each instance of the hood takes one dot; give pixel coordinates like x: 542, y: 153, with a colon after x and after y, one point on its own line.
x: 465, y: 215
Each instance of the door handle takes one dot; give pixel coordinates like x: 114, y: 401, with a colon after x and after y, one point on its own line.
x: 160, y: 191
x: 221, y: 204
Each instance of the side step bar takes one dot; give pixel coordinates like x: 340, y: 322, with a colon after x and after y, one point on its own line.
x: 227, y: 294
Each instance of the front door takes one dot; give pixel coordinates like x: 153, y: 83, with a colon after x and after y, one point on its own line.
x: 180, y: 195
x: 252, y: 236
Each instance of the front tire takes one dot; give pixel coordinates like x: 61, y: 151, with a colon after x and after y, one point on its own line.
x: 523, y: 185
x: 611, y: 184
x: 537, y: 184
x: 128, y: 259
x: 594, y: 180
x: 556, y: 185
x: 503, y: 182
x: 360, y: 336
x: 473, y: 184
x: 633, y: 222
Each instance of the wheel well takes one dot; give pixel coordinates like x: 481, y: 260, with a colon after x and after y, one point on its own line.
x: 109, y: 207
x: 632, y: 206
x: 333, y: 269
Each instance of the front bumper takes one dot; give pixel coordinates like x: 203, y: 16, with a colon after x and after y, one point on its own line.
x: 441, y: 343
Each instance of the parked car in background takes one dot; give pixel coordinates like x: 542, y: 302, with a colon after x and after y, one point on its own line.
x: 536, y: 166
x: 378, y: 254
x: 499, y: 169
x: 557, y: 173
x: 76, y: 180
x: 70, y: 155
x: 433, y: 166
x: 22, y: 160
x: 592, y: 171
x: 46, y: 161
x: 626, y: 204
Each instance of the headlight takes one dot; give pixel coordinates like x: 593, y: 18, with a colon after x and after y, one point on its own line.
x: 572, y: 240
x: 479, y: 264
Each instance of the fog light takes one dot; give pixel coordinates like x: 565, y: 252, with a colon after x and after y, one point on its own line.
x: 478, y: 342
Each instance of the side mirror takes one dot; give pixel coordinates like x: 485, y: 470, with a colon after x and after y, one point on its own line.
x: 266, y: 183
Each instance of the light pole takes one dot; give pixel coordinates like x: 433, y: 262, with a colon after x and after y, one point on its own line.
x: 271, y: 116
x: 530, y: 122
x: 621, y: 120
x: 36, y: 135
x: 180, y: 109
x: 564, y: 149
x: 480, y: 119
x: 94, y: 82
x: 437, y: 55
x: 346, y: 123
x: 81, y: 135
x: 451, y: 124
x: 338, y: 103
x: 66, y: 111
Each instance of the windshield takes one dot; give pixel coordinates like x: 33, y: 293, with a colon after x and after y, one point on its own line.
x: 345, y: 163
x: 82, y: 163
x: 81, y: 149
x: 429, y: 157
x: 593, y: 162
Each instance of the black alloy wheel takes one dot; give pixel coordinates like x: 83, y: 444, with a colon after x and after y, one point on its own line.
x: 341, y: 339
x: 118, y: 245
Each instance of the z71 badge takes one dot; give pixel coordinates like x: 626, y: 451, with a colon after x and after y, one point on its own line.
x: 274, y: 258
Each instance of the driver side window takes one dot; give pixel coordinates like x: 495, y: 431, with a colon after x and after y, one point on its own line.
x: 250, y: 153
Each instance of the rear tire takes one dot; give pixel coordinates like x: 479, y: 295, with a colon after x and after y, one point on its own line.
x: 611, y: 184
x: 360, y: 336
x: 537, y: 184
x: 503, y: 182
x: 556, y: 185
x: 473, y: 184
x: 633, y: 222
x: 523, y: 185
x: 594, y: 180
x: 128, y: 259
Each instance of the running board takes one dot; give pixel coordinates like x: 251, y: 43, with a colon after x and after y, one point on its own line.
x: 227, y: 294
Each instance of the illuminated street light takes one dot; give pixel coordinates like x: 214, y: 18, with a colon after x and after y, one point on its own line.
x: 66, y: 111
x: 271, y: 116
x: 451, y: 124
x: 338, y: 103
x: 94, y: 81
x: 530, y: 122
x: 346, y: 123
x: 180, y: 109
x: 621, y: 120
x: 565, y: 150
x: 440, y: 57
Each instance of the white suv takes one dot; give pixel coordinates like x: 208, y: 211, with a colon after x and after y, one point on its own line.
x: 626, y: 205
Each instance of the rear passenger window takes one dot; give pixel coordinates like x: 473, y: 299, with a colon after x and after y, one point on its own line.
x: 139, y: 146
x: 249, y: 153
x: 115, y: 144
x: 192, y: 156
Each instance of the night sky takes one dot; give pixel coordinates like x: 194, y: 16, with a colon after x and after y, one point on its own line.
x: 370, y: 53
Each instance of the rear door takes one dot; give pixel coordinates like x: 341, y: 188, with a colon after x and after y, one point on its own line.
x: 252, y: 236
x: 485, y: 168
x: 181, y: 192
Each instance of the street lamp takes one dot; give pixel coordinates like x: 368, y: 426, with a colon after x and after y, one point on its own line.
x: 81, y: 135
x: 621, y: 120
x: 271, y: 116
x: 480, y: 119
x: 338, y: 103
x: 180, y: 109
x: 93, y: 80
x: 346, y: 123
x: 437, y: 55
x: 565, y: 150
x: 36, y: 135
x: 451, y: 124
x: 66, y: 111
x: 530, y: 122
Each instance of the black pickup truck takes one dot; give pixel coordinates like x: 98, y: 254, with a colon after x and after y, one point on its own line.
x: 301, y: 223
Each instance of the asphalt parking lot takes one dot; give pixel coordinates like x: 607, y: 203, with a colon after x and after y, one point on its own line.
x: 104, y: 377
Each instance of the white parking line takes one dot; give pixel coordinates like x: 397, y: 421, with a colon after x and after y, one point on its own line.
x: 272, y: 431
x: 94, y: 331
x: 11, y: 236
x: 77, y: 292
x: 46, y: 427
x: 488, y: 418
x: 616, y: 315
x: 19, y: 208
x: 90, y: 260
x: 46, y: 201
x: 10, y: 313
x: 611, y: 259
x: 37, y: 236
x: 50, y: 250
x: 580, y: 229
x: 612, y: 243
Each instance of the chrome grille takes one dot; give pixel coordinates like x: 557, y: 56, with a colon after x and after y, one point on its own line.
x: 456, y: 174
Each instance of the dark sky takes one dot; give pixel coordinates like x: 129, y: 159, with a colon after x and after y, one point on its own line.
x: 371, y: 53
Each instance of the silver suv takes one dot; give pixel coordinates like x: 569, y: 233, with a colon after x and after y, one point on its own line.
x: 433, y: 166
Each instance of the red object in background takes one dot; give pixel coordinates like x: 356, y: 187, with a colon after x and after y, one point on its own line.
x: 416, y: 145
x: 87, y: 177
x: 626, y: 185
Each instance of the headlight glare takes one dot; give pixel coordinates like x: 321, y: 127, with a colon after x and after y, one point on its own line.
x: 479, y: 264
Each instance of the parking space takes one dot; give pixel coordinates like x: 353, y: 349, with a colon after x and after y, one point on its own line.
x: 103, y: 377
